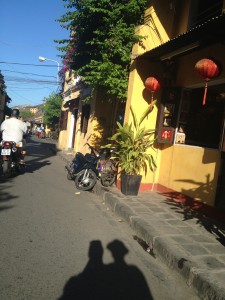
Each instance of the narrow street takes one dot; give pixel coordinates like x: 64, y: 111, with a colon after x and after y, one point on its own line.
x: 60, y: 243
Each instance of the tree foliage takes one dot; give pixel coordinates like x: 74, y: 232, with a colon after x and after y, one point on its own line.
x: 7, y: 110
x: 52, y: 109
x: 26, y: 114
x: 102, y: 36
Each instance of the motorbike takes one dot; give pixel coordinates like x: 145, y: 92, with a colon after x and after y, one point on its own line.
x: 86, y: 169
x: 9, y: 158
x: 107, y: 167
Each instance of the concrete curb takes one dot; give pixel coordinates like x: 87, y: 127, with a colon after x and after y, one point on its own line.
x: 205, y: 284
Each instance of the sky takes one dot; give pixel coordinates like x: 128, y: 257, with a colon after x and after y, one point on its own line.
x: 28, y: 30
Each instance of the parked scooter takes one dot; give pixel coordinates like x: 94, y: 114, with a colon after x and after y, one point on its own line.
x: 86, y: 169
x: 83, y: 169
x: 107, y: 167
x: 9, y: 158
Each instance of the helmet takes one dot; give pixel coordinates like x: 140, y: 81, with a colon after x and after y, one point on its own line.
x: 15, y: 113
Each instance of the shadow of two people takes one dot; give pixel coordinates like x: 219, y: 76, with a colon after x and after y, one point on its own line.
x: 116, y: 280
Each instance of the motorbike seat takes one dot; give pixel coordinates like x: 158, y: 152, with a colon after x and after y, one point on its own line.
x: 79, y: 157
x: 89, y: 157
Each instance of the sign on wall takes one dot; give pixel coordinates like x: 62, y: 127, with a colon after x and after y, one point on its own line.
x: 168, y: 113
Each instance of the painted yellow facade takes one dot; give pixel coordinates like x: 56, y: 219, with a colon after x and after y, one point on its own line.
x: 33, y: 110
x: 190, y: 170
x: 100, y: 122
x: 181, y: 171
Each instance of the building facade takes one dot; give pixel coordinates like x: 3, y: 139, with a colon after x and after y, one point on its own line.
x: 83, y: 121
x: 189, y: 147
x: 189, y: 134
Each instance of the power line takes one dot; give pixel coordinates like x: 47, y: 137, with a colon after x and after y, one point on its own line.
x: 13, y: 87
x: 27, y: 80
x: 14, y: 63
x: 20, y: 96
x: 27, y: 73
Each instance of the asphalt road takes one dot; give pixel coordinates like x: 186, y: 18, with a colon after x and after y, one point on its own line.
x: 60, y: 243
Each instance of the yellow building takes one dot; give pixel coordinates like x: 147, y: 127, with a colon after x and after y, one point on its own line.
x: 189, y: 147
x: 33, y: 109
x: 83, y: 122
x: 189, y: 135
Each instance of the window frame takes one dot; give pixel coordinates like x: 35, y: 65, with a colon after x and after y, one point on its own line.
x: 221, y: 141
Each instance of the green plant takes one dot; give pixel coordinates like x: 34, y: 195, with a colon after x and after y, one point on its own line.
x: 52, y: 109
x: 132, y: 143
x: 54, y: 135
x: 102, y: 36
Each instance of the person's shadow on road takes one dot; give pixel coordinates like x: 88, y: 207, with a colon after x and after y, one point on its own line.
x: 115, y: 281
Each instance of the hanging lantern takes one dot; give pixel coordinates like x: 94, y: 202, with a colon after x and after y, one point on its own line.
x: 152, y: 84
x: 207, y: 69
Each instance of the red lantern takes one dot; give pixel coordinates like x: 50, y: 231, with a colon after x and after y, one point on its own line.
x: 207, y: 69
x: 152, y: 84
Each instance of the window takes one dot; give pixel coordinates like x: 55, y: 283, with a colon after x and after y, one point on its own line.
x: 167, y: 115
x: 63, y: 120
x: 201, y: 125
x: 85, y: 117
x: 202, y: 10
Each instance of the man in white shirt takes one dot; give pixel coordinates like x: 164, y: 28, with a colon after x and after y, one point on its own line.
x: 14, y: 129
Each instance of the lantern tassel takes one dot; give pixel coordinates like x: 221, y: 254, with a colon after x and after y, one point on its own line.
x: 151, y: 102
x: 204, y: 98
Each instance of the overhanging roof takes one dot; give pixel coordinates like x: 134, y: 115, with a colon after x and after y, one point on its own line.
x: 211, y: 31
x: 73, y: 102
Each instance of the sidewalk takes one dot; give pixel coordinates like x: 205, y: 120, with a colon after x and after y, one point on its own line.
x: 186, y: 240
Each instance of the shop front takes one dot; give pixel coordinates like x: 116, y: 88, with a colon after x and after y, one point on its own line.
x: 190, y: 121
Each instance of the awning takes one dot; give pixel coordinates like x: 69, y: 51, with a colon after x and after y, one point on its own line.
x: 74, y: 103
x: 210, y: 32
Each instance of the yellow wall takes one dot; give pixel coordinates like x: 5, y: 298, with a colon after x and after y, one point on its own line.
x: 103, y: 120
x: 94, y: 130
x: 190, y: 170
x: 63, y: 136
x: 33, y: 110
x: 138, y: 96
x: 99, y: 124
x: 82, y: 138
x: 153, y: 31
x: 187, y: 75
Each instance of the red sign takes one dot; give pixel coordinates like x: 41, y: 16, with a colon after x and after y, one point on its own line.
x: 166, y: 135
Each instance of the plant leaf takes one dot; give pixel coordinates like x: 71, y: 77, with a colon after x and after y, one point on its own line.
x: 134, y: 118
x: 147, y: 112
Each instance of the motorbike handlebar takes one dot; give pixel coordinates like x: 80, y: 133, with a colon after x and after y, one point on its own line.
x: 93, y: 150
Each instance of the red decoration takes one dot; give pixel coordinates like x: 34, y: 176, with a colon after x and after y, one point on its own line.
x: 207, y: 69
x: 152, y: 84
x: 167, y: 135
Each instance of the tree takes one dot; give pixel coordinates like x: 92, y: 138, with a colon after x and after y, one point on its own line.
x: 102, y: 36
x: 7, y: 111
x: 52, y: 109
x: 26, y: 115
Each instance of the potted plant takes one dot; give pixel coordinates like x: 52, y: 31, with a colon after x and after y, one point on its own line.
x: 132, y: 143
